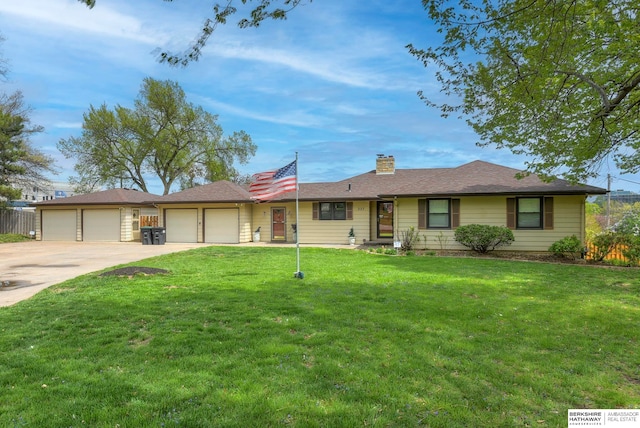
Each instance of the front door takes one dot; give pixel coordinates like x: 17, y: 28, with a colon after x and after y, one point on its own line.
x: 385, y: 220
x: 278, y: 224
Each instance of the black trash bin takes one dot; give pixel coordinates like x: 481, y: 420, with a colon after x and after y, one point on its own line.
x: 146, y: 235
x: 159, y: 235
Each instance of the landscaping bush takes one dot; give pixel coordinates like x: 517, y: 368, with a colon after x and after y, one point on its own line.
x: 631, y: 249
x: 483, y: 238
x: 603, y: 245
x: 409, y: 239
x: 569, y: 247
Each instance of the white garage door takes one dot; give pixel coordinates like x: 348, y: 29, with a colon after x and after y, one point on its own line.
x: 181, y: 225
x: 101, y: 225
x: 58, y: 225
x: 221, y: 226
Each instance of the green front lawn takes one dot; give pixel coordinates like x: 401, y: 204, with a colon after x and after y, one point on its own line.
x: 6, y: 238
x: 230, y: 338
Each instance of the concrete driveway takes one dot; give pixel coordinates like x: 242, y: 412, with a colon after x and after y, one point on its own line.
x: 29, y: 267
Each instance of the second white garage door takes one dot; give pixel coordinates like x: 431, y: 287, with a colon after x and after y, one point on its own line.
x: 181, y: 225
x: 101, y: 225
x: 221, y: 226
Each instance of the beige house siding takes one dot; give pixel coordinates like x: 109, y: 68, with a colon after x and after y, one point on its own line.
x: 78, y: 224
x: 262, y: 219
x: 334, y: 231
x: 245, y: 217
x: 314, y: 231
x: 126, y: 230
x: 436, y: 239
x: 568, y: 220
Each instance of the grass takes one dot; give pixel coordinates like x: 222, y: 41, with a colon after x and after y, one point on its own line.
x: 6, y: 238
x: 230, y: 338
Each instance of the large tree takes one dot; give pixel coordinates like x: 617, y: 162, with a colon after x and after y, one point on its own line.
x: 21, y: 165
x: 163, y: 137
x: 555, y: 80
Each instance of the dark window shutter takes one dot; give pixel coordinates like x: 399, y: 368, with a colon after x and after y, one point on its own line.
x: 455, y: 213
x: 548, y: 213
x: 316, y: 209
x: 349, y: 210
x: 422, y: 213
x: 511, y: 213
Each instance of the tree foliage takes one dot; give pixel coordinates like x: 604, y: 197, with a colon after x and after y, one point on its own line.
x: 263, y: 10
x: 21, y: 165
x: 558, y: 81
x: 163, y: 136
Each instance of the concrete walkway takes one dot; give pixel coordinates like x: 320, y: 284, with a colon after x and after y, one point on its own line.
x: 29, y: 267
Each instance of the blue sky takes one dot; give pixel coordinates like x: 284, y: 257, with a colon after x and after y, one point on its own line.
x: 334, y: 82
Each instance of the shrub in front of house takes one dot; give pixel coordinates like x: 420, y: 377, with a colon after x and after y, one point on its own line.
x: 409, y: 239
x: 631, y: 249
x: 569, y: 247
x: 483, y: 238
x: 602, y: 245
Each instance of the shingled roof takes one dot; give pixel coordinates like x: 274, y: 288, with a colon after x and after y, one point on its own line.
x: 106, y: 197
x: 218, y: 191
x: 484, y: 178
x: 474, y: 178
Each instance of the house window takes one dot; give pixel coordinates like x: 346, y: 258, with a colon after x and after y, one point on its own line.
x: 529, y: 213
x: 438, y: 213
x: 135, y: 221
x: 333, y: 211
x: 534, y: 212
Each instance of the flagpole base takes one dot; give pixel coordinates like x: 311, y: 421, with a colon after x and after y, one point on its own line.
x: 299, y: 275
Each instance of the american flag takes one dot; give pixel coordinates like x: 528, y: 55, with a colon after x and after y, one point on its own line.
x: 267, y: 185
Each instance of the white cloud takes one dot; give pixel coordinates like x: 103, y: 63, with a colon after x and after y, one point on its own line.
x: 291, y: 118
x: 331, y: 69
x: 68, y: 125
x: 71, y: 15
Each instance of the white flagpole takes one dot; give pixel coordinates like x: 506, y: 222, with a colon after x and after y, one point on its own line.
x: 298, y: 273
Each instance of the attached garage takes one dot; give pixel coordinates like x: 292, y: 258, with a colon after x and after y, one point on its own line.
x: 221, y: 226
x: 101, y: 225
x: 181, y: 224
x: 58, y: 225
x: 113, y: 215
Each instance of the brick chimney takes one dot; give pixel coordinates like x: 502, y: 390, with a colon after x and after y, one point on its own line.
x: 385, y: 164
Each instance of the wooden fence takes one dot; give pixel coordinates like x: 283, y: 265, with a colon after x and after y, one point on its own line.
x: 20, y: 222
x: 614, y: 255
x: 148, y: 221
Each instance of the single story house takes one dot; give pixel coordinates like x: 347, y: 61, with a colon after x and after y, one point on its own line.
x: 379, y: 205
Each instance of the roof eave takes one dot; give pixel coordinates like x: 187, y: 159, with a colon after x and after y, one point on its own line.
x: 205, y: 201
x: 511, y: 193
